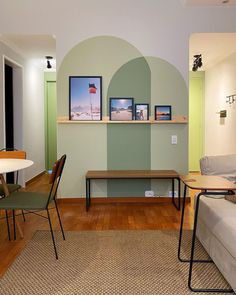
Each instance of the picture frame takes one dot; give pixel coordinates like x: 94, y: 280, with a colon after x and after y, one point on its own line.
x: 121, y: 108
x: 163, y: 113
x: 141, y: 111
x: 85, y: 98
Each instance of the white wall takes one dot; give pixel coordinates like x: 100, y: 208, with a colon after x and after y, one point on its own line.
x: 156, y: 27
x: 29, y: 109
x: 33, y: 119
x: 220, y: 81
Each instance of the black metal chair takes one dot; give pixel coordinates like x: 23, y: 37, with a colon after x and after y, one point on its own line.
x: 37, y: 201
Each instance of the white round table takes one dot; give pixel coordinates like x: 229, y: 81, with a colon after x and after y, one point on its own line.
x: 11, y: 165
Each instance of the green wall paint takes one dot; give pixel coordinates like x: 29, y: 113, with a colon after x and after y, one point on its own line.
x: 196, y: 111
x: 128, y: 146
x: 98, y: 56
x: 168, y: 88
x: 86, y: 144
x: 121, y: 146
x: 85, y: 147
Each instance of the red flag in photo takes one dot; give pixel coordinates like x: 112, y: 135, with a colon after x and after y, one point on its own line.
x: 92, y: 88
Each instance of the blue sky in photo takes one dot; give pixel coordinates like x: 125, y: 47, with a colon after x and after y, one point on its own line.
x: 80, y: 91
x: 121, y: 103
x: 141, y: 107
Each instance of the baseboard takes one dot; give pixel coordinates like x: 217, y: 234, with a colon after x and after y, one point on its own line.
x: 110, y: 200
x: 34, y: 178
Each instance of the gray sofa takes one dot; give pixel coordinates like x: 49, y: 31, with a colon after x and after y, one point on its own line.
x: 217, y: 219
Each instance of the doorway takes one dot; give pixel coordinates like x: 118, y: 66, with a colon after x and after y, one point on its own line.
x: 13, y: 108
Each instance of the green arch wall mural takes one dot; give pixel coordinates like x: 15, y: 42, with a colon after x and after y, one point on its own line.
x: 126, y: 73
x: 128, y: 145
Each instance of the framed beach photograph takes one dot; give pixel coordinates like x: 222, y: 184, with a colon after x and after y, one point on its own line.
x: 85, y: 96
x: 142, y: 111
x: 121, y: 109
x: 163, y: 113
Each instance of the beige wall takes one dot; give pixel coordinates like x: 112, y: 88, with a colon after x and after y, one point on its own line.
x: 220, y: 81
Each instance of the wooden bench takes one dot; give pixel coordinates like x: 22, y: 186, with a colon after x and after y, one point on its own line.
x: 132, y: 174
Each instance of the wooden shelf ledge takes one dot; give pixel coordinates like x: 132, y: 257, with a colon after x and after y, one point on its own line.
x: 105, y: 120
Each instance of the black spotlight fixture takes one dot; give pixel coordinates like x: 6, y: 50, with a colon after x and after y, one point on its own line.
x: 48, y: 58
x: 197, y: 63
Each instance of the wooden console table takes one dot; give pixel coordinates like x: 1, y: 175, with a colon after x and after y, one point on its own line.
x: 132, y: 174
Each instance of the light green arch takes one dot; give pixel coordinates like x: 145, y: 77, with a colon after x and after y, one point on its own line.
x: 86, y: 144
x: 97, y: 56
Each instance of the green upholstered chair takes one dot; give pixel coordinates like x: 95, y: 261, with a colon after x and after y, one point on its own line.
x: 33, y: 202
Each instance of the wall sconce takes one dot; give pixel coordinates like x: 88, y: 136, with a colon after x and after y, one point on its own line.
x: 231, y: 98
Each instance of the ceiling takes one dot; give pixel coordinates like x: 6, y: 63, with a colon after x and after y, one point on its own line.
x: 34, y: 47
x: 209, y: 2
x: 214, y: 47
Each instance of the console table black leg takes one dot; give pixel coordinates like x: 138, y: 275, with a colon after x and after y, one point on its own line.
x: 181, y: 226
x: 89, y: 199
x: 192, y: 255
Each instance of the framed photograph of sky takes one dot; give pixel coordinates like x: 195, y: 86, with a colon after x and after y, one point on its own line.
x: 85, y: 96
x: 163, y: 113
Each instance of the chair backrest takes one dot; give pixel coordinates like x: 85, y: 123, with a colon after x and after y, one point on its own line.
x: 13, y: 154
x: 55, y: 177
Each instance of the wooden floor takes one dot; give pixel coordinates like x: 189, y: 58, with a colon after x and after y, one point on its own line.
x: 106, y: 216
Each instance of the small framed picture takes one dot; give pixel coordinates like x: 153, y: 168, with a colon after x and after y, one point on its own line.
x: 163, y: 113
x: 121, y: 109
x: 142, y: 111
x: 85, y: 96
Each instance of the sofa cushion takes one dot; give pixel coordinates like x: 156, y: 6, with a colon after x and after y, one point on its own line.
x: 220, y: 217
x: 219, y: 165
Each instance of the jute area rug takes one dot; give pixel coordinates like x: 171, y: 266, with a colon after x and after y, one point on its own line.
x: 106, y: 262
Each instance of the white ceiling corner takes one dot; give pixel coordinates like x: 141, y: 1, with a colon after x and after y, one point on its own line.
x: 32, y: 47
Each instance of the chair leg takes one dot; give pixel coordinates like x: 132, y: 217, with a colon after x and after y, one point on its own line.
x: 14, y: 224
x: 62, y: 231
x: 8, y: 227
x: 23, y: 215
x: 53, y: 240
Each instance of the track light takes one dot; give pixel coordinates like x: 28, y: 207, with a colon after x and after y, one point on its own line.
x: 197, y: 62
x: 49, y: 66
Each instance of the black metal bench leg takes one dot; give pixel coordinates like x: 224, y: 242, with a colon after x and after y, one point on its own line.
x: 87, y: 194
x: 177, y: 206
